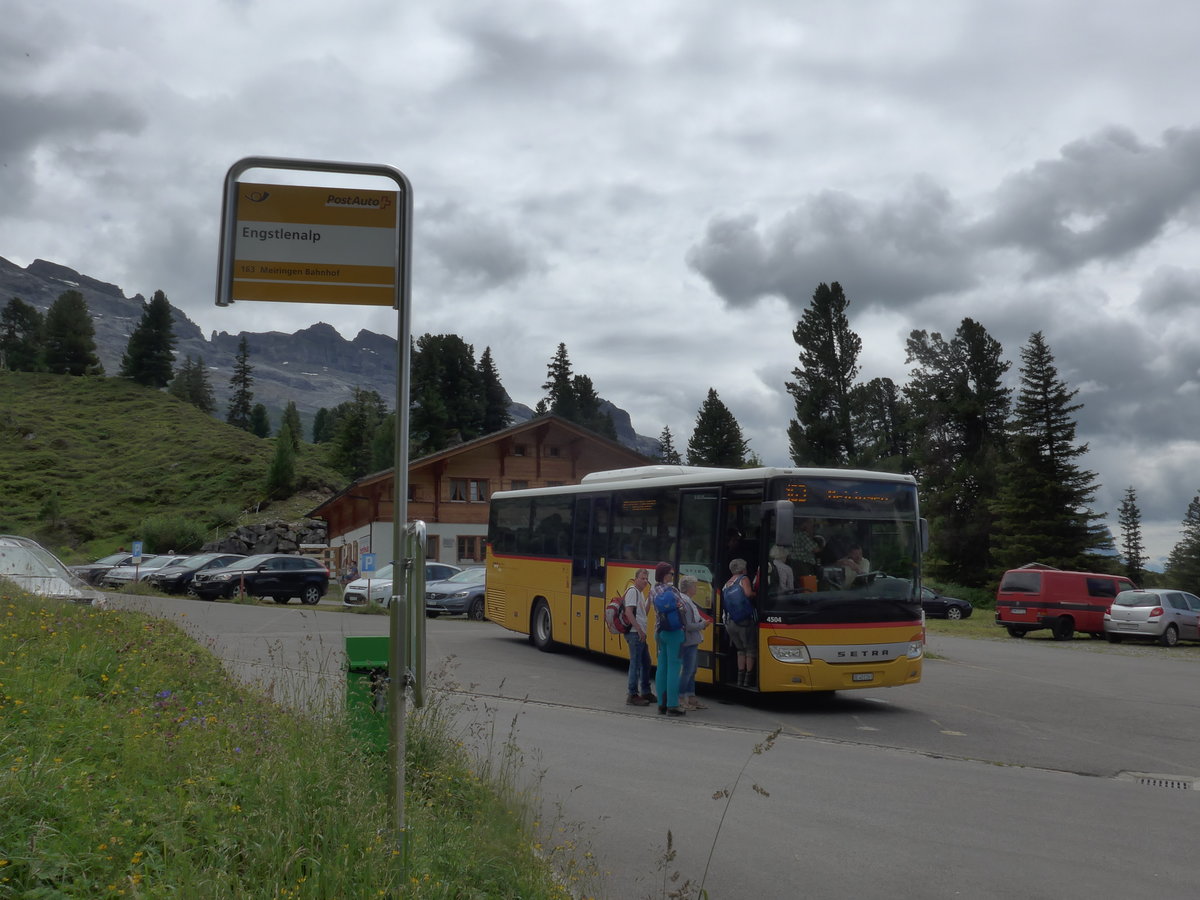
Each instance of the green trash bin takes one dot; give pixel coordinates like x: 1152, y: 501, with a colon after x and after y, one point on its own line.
x: 367, y: 690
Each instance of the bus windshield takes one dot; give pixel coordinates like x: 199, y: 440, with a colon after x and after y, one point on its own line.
x: 852, y: 542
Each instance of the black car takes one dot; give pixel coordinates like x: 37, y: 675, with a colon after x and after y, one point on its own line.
x: 279, y: 576
x: 940, y: 606
x: 178, y: 578
x: 92, y: 572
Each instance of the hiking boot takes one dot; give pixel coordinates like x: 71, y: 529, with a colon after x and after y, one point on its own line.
x: 675, y: 711
x: 649, y: 697
x: 635, y: 700
x: 741, y: 682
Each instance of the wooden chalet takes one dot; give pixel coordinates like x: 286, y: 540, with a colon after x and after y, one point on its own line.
x: 449, y: 490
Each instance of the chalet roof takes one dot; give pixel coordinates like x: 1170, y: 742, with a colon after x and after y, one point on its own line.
x: 513, y: 431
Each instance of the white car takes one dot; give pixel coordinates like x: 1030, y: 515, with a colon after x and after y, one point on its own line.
x: 1160, y: 614
x: 355, y: 593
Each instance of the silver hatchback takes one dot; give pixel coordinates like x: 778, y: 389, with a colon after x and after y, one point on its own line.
x: 1165, y: 615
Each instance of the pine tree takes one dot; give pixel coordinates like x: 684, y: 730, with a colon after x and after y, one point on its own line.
x: 149, y: 355
x: 291, y: 421
x: 180, y: 386
x: 1133, y: 551
x: 717, y: 439
x: 260, y: 421
x: 70, y: 337
x: 281, y: 474
x: 1042, y: 507
x: 822, y: 433
x: 1183, y: 562
x: 241, y: 400
x: 22, y: 330
x: 383, y: 444
x: 959, y: 441
x: 667, y: 452
x: 496, y: 416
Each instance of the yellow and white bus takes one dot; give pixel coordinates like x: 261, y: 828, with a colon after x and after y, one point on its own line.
x: 835, y: 555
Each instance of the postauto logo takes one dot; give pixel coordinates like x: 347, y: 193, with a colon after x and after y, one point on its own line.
x: 359, y: 201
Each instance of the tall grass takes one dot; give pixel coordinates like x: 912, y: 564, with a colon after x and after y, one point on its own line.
x: 131, y: 765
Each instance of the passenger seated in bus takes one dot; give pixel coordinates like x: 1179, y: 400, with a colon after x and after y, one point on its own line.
x: 806, y: 547
x: 854, y: 563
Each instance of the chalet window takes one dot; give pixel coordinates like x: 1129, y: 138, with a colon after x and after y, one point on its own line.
x: 520, y: 450
x: 554, y: 484
x: 413, y: 493
x: 554, y: 451
x: 470, y: 548
x: 469, y: 490
x: 431, y: 547
x: 520, y: 484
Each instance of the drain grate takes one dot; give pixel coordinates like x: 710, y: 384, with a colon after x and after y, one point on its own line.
x: 1170, y: 782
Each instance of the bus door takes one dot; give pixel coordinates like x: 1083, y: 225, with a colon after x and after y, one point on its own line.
x: 589, y: 549
x: 699, y: 554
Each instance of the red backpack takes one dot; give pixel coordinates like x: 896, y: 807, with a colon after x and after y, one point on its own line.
x: 614, y: 616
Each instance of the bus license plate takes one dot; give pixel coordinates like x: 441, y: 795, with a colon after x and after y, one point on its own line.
x: 1018, y: 612
x: 863, y: 676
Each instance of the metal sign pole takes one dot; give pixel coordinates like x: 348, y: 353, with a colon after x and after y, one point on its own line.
x: 400, y: 616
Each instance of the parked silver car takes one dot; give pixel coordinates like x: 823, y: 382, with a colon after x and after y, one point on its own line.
x: 119, y: 576
x: 355, y: 593
x: 1165, y: 615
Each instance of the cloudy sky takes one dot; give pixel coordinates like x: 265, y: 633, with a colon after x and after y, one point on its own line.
x: 662, y: 184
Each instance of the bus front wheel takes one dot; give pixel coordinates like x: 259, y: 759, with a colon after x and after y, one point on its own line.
x: 541, y: 629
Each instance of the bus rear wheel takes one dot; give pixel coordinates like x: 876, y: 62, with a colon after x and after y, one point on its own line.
x: 541, y: 629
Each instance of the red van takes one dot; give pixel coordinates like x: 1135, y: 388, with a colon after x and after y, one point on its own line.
x: 1037, y: 596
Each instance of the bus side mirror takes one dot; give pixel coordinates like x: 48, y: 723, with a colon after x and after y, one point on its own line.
x: 924, y: 535
x: 783, y: 520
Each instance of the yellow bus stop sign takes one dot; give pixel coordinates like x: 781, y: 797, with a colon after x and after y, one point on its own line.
x: 315, y: 244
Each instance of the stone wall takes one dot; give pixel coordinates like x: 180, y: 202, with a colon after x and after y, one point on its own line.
x: 270, y: 537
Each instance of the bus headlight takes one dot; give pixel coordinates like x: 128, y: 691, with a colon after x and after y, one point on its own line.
x: 916, y: 649
x: 788, y: 651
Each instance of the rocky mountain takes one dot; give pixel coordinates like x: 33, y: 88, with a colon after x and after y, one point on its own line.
x: 316, y: 367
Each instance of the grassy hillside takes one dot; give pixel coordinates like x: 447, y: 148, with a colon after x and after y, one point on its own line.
x: 84, y: 460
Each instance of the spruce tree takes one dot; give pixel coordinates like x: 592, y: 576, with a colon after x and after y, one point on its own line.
x: 149, y: 355
x: 717, y: 438
x: 260, y: 421
x: 959, y: 441
x: 496, y: 416
x: 322, y: 427
x: 588, y: 408
x: 22, y: 330
x: 559, y: 387
x: 281, y: 474
x: 241, y: 400
x: 180, y: 386
x: 1133, y: 551
x: 1183, y: 562
x: 199, y: 388
x: 822, y: 432
x: 1042, y: 507
x: 291, y: 421
x: 447, y: 396
x: 356, y: 423
x: 667, y: 452
x: 882, y: 420
x: 70, y: 344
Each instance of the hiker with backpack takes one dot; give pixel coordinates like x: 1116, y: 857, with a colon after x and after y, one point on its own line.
x: 668, y: 634
x: 694, y: 623
x: 737, y: 600
x: 639, y: 646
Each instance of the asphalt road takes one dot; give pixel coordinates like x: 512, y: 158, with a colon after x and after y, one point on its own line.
x: 1011, y: 770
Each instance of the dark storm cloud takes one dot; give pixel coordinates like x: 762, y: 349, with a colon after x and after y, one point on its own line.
x: 470, y: 250
x: 1105, y: 197
x: 892, y: 254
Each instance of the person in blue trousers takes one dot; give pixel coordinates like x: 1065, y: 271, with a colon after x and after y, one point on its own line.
x: 639, y: 642
x: 670, y: 642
